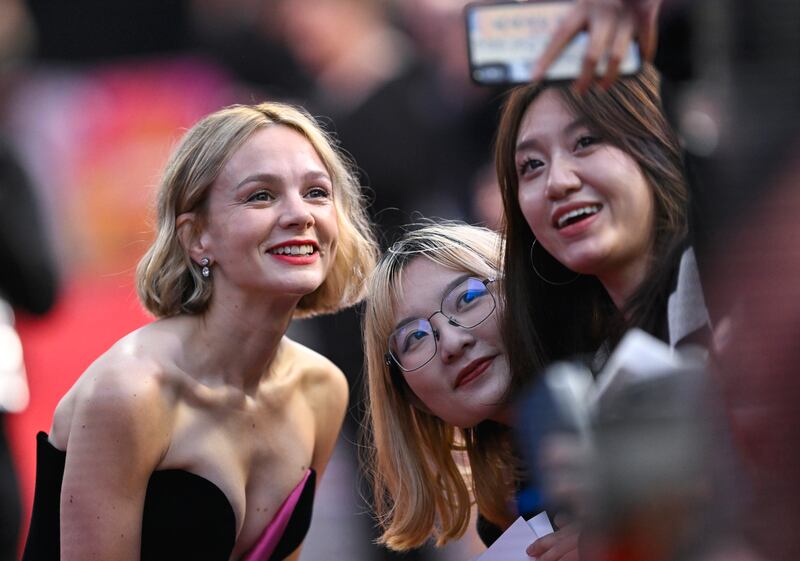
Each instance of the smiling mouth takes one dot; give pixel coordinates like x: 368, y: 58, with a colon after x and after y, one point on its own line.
x: 293, y: 250
x: 577, y: 215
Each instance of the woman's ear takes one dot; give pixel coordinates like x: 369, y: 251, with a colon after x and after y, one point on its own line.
x: 189, y: 228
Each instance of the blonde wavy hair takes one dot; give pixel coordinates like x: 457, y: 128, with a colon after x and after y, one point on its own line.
x: 422, y: 486
x: 169, y: 283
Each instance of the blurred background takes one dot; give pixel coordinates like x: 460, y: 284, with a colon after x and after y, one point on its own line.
x: 94, y: 94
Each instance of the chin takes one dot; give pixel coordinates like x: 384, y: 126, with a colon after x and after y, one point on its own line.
x: 471, y: 419
x: 585, y: 263
x: 586, y: 256
x: 302, y: 284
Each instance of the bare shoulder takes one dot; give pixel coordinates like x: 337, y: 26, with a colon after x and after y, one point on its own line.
x: 325, y: 388
x: 116, y: 427
x: 322, y: 381
x: 123, y: 394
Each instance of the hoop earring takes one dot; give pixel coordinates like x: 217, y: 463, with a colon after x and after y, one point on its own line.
x: 205, y: 271
x: 548, y: 281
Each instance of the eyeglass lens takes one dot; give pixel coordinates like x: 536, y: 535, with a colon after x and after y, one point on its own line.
x: 468, y: 304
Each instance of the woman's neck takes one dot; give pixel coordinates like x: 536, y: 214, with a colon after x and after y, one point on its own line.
x: 622, y: 282
x: 236, y: 342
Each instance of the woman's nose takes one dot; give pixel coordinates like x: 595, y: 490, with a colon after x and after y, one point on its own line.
x: 452, y: 340
x: 296, y: 213
x: 562, y: 177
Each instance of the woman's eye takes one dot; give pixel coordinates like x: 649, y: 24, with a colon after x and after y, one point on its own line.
x: 470, y: 296
x: 318, y: 193
x: 586, y: 141
x: 529, y: 165
x: 260, y: 196
x: 413, y: 338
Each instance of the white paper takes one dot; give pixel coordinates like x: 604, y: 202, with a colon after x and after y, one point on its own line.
x: 540, y: 524
x: 511, y: 545
x: 638, y: 357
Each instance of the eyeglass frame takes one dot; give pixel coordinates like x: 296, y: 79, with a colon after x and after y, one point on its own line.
x: 390, y: 359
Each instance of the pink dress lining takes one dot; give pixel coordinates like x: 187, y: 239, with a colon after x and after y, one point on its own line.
x: 269, y: 540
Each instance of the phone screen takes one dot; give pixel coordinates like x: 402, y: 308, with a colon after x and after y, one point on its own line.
x: 506, y: 39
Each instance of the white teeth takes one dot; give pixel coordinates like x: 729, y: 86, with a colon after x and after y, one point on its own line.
x: 587, y: 210
x: 306, y: 249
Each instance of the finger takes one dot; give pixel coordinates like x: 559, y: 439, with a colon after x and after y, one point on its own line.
x: 647, y: 31
x: 567, y: 545
x: 573, y: 23
x: 617, y: 52
x: 564, y: 547
x: 543, y: 544
x: 599, y: 37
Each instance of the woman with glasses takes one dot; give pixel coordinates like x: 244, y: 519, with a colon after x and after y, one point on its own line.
x: 439, y: 383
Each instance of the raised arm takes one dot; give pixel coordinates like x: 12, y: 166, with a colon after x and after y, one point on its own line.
x: 118, y: 435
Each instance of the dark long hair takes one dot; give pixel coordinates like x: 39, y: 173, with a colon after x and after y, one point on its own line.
x: 544, y: 322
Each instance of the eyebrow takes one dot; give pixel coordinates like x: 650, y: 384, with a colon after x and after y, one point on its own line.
x: 450, y: 286
x: 273, y: 178
x: 529, y: 143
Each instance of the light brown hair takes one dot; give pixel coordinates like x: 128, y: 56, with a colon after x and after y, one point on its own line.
x: 169, y: 283
x: 423, y: 487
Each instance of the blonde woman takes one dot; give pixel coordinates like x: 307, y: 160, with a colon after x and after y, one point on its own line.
x: 438, y: 376
x: 201, y: 434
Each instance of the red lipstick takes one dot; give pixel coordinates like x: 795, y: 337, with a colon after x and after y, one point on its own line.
x: 473, y: 370
x: 308, y: 252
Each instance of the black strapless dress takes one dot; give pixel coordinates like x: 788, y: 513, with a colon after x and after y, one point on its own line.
x: 185, y: 516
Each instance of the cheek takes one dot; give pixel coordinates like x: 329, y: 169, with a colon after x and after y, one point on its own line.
x: 423, y: 388
x: 530, y: 205
x: 649, y: 218
x: 332, y: 233
x: 488, y: 332
x: 644, y: 208
x: 330, y: 221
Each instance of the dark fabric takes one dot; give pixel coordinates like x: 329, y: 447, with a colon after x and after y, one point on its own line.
x: 529, y: 504
x: 10, y: 507
x: 28, y: 275
x: 185, y: 515
x: 92, y: 30
x: 298, y: 523
x: 487, y: 531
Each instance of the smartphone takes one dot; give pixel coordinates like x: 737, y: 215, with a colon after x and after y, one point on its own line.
x: 505, y: 39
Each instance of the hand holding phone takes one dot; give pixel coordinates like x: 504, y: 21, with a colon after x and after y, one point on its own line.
x: 508, y: 41
x: 611, y: 25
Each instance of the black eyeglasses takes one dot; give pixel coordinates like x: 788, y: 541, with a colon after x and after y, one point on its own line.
x: 413, y: 344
